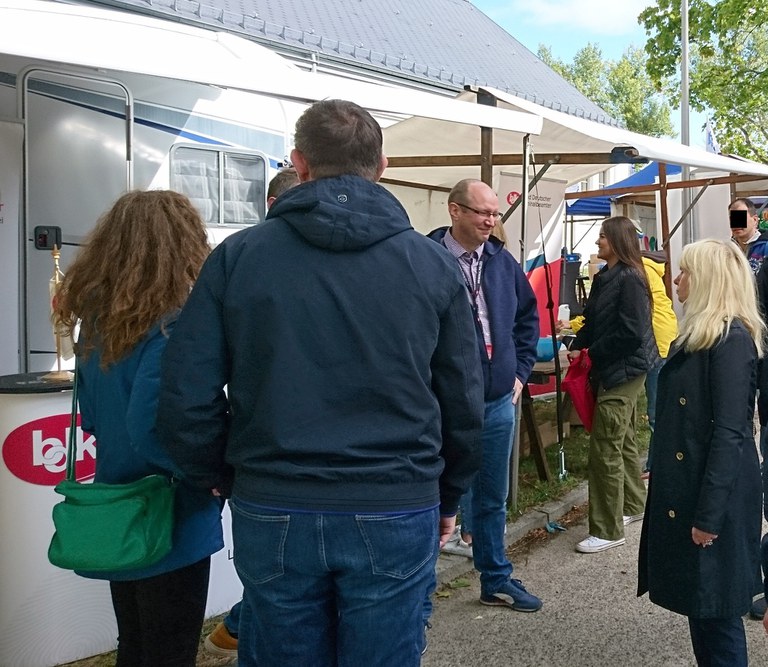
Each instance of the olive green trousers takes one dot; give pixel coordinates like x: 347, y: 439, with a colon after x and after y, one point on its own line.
x: 615, y: 487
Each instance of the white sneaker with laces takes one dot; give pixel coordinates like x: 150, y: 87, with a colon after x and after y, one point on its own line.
x: 593, y: 545
x: 632, y: 518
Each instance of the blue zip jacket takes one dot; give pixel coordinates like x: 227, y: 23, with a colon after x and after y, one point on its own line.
x: 345, y: 341
x: 118, y: 407
x: 513, y: 317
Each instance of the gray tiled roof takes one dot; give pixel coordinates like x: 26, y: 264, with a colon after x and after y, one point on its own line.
x: 438, y: 43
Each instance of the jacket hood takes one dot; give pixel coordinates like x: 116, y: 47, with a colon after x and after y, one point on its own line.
x: 492, y: 246
x: 341, y: 213
x: 655, y: 262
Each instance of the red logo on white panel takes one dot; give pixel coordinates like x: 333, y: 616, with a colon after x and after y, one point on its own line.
x: 512, y: 197
x: 36, y: 452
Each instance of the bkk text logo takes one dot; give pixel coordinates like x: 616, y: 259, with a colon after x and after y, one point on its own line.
x: 36, y: 452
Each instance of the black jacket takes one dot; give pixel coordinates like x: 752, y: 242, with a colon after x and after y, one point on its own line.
x: 617, y: 327
x: 706, y: 475
x: 513, y: 317
x: 346, y: 344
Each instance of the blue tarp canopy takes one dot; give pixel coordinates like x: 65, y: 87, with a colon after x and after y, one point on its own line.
x: 601, y: 206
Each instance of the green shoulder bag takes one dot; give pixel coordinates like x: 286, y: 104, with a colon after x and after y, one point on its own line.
x: 110, y: 527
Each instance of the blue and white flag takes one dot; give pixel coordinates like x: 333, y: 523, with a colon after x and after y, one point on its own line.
x: 711, y: 143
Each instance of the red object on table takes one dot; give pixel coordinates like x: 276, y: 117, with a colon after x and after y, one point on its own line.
x: 577, y: 385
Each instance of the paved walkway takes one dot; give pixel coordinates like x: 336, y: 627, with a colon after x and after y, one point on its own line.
x: 591, y: 615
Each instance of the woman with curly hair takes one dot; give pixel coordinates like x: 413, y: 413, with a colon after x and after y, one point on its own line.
x: 123, y: 291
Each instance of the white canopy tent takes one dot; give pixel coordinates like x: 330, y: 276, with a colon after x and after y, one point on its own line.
x: 575, y: 148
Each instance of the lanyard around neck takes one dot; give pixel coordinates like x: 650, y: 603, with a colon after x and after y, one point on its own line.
x: 473, y: 282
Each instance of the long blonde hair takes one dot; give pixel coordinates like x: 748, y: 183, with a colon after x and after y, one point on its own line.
x: 137, y: 267
x: 721, y: 288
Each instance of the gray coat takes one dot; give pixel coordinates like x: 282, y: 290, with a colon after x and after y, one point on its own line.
x: 705, y: 474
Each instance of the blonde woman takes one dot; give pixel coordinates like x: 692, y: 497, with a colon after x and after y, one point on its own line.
x: 700, y: 543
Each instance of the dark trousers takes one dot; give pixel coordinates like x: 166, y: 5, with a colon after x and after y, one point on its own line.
x: 159, y: 619
x: 718, y: 642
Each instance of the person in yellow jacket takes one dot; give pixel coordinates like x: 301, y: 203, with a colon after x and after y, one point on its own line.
x: 664, y: 323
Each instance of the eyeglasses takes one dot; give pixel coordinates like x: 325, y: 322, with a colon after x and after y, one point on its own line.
x: 495, y: 215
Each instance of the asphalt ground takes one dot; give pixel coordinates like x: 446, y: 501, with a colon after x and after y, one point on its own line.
x: 591, y: 615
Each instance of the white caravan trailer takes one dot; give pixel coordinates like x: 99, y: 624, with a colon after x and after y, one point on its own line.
x: 94, y: 102
x: 92, y: 134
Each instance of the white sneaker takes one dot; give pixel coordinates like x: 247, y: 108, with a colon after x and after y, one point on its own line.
x: 593, y: 544
x: 456, y: 546
x: 632, y: 518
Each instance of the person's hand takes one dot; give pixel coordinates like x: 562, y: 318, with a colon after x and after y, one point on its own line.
x: 701, y: 538
x: 445, y: 528
x: 560, y: 325
x: 573, y: 355
x: 516, y: 391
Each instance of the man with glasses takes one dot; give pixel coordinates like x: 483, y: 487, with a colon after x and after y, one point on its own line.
x: 507, y: 327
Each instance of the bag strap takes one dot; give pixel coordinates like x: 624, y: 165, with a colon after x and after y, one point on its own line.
x: 71, y: 442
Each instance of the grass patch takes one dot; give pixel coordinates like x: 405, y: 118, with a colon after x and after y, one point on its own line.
x: 204, y: 659
x: 533, y: 492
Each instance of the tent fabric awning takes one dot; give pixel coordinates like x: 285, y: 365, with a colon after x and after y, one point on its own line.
x: 601, y: 206
x: 561, y: 135
x: 106, y: 39
x: 581, y: 135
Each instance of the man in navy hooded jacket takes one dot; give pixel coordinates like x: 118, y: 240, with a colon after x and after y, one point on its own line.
x: 507, y: 326
x: 353, y: 405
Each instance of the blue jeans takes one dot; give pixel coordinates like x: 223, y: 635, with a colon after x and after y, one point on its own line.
x: 232, y: 619
x: 332, y: 590
x: 465, y: 509
x: 651, y: 388
x: 489, y: 496
x: 718, y: 642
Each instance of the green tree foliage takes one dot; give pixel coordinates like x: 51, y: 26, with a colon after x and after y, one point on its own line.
x: 728, y: 46
x: 623, y: 88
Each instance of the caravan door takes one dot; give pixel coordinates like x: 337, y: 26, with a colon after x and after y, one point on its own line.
x: 78, y: 160
x: 11, y: 136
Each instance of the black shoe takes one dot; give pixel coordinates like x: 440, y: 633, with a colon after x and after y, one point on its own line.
x: 758, y: 608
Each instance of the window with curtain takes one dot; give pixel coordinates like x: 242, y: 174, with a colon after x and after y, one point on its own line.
x: 227, y: 186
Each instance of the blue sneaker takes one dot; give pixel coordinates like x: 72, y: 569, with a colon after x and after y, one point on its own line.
x: 513, y: 595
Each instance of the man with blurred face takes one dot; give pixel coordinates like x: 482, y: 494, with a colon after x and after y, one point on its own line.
x: 751, y: 240
x: 754, y: 244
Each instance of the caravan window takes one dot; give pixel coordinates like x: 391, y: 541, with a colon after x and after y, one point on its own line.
x: 227, y: 187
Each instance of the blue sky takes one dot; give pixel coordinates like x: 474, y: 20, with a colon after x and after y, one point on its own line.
x: 567, y: 25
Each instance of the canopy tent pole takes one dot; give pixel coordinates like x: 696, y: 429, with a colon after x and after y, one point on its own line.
x: 550, y: 308
x: 665, y: 226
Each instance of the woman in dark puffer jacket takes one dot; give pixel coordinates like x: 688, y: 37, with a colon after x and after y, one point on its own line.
x: 617, y: 332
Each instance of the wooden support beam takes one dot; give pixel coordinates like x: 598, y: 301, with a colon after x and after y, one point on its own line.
x: 499, y: 159
x: 412, y: 184
x: 665, y: 227
x: 655, y: 187
x: 634, y: 189
x: 486, y: 143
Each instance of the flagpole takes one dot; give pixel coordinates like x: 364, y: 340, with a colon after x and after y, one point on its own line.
x: 58, y: 374
x: 685, y: 130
